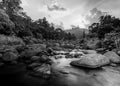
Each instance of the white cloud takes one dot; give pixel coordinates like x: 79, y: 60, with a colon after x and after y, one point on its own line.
x: 24, y: 3
x: 93, y: 16
x: 55, y: 6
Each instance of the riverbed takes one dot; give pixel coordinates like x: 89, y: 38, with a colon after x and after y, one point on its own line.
x: 63, y: 74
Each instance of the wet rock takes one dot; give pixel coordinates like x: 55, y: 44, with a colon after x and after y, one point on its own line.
x: 91, y: 61
x: 69, y: 56
x: 20, y: 48
x: 9, y: 56
x: 50, y: 51
x: 43, y: 53
x: 112, y: 56
x: 33, y: 65
x: 113, y: 65
x: 118, y: 53
x: 59, y: 56
x: 76, y: 54
x: 33, y: 50
x: 28, y: 53
x: 35, y: 58
x: 61, y: 52
x: 43, y: 58
x: 43, y: 71
x: 101, y: 50
x: 56, y: 44
x: 6, y: 48
x: 68, y: 46
x: 89, y: 51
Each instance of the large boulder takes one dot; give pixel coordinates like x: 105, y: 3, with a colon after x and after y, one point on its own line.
x: 112, y: 56
x: 91, y: 61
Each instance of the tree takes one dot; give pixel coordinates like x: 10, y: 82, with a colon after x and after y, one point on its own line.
x: 6, y: 25
x: 105, y: 25
x: 12, y: 7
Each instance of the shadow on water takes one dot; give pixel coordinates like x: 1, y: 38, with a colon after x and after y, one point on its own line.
x: 18, y: 76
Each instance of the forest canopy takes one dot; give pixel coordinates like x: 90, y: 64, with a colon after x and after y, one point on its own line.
x: 14, y: 21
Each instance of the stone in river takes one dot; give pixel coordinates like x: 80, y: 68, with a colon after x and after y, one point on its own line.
x: 35, y: 58
x: 118, y: 52
x: 33, y: 65
x: 43, y: 71
x: 59, y: 56
x: 89, y: 51
x: 113, y: 56
x: 76, y: 53
x: 91, y: 61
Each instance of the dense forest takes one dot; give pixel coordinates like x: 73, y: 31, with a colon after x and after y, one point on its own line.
x: 106, y: 24
x: 14, y: 21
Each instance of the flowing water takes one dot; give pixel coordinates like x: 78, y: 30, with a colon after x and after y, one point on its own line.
x: 66, y: 75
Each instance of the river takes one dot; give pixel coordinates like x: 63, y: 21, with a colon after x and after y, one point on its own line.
x: 63, y: 74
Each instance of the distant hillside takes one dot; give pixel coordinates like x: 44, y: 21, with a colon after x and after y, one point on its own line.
x: 77, y: 32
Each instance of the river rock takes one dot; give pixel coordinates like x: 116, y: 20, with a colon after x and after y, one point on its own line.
x: 33, y: 50
x: 89, y: 51
x: 101, y: 50
x: 20, y: 48
x: 113, y: 56
x: 7, y: 48
x: 43, y: 58
x: 59, y: 56
x: 77, y: 53
x: 118, y: 53
x: 50, y: 51
x: 43, y: 71
x: 9, y: 56
x: 33, y: 65
x: 61, y: 52
x: 68, y: 46
x: 69, y: 56
x: 35, y: 58
x: 91, y: 61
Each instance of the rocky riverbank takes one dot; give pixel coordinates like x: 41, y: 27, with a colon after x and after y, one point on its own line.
x: 43, y: 64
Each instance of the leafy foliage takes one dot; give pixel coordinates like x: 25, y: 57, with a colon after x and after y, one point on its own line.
x: 14, y: 21
x: 105, y: 25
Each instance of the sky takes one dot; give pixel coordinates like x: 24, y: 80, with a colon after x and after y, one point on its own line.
x: 67, y: 13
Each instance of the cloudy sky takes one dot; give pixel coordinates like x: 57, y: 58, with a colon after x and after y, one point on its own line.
x: 71, y: 12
